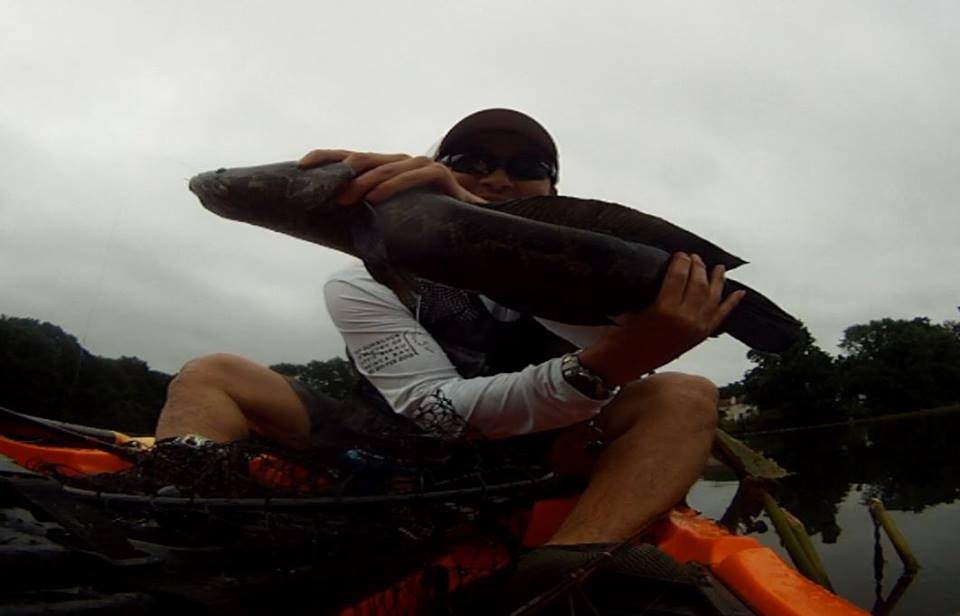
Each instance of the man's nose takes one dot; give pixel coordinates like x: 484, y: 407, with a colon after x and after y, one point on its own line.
x: 497, y: 180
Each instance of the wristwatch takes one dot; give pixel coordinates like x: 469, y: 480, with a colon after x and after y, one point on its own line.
x: 583, y: 380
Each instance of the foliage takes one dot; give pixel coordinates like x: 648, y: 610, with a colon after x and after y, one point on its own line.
x: 336, y: 377
x: 801, y: 382
x: 732, y: 389
x: 901, y: 365
x: 888, y: 366
x: 44, y: 371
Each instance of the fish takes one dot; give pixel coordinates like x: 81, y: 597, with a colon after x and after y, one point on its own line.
x: 567, y: 259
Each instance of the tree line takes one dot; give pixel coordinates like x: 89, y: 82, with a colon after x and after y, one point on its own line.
x: 885, y: 366
x: 46, y: 372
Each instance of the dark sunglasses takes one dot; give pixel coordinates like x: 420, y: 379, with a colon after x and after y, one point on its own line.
x: 519, y: 167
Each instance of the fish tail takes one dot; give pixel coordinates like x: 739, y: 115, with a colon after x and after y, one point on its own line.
x: 759, y: 323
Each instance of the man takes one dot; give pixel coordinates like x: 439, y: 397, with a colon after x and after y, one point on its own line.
x: 656, y: 432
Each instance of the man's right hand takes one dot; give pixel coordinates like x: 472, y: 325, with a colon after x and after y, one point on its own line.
x: 689, y: 307
x: 381, y: 176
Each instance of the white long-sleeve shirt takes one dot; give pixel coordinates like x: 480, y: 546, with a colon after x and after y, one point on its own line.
x: 403, y: 361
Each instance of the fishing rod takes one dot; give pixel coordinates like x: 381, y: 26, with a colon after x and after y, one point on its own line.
x: 301, y: 503
x: 38, y: 427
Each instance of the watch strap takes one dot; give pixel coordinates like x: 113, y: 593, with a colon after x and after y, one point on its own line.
x: 583, y: 380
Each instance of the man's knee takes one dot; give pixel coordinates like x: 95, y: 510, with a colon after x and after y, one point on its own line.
x: 690, y: 388
x: 214, y: 370
x: 695, y: 394
x: 687, y: 400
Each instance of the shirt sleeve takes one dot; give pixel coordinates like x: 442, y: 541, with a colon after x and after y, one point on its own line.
x: 403, y: 361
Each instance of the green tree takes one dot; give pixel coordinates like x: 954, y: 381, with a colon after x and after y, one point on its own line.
x: 39, y: 364
x: 335, y: 377
x: 732, y: 389
x: 953, y: 326
x: 45, y: 372
x: 902, y: 365
x: 122, y: 394
x: 801, y: 383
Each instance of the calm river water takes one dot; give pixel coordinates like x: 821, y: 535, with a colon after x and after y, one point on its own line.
x: 912, y: 464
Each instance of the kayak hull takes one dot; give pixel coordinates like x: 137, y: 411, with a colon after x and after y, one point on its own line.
x: 755, y: 574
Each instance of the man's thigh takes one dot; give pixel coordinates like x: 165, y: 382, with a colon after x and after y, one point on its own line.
x: 272, y: 406
x: 575, y: 448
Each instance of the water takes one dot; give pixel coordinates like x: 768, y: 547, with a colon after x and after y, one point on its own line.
x: 912, y: 464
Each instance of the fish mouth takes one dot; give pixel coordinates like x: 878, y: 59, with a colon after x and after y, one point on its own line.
x: 277, y: 194
x: 213, y: 192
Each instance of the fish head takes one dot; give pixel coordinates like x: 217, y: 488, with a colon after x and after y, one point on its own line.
x: 270, y: 194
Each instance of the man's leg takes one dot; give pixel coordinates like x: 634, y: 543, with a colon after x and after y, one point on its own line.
x: 223, y: 397
x: 659, y: 432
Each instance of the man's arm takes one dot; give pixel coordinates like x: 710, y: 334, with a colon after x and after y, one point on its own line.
x: 409, y: 368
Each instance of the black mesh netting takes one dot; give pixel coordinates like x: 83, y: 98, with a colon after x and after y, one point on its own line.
x: 387, y: 519
x: 382, y: 519
x: 446, y: 303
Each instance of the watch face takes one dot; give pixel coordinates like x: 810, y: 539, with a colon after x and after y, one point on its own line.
x: 582, y: 379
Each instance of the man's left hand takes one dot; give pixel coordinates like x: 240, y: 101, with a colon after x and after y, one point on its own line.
x: 381, y: 176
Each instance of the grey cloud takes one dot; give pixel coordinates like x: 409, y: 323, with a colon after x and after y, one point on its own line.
x: 815, y: 140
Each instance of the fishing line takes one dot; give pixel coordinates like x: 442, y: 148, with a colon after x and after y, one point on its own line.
x: 108, y: 246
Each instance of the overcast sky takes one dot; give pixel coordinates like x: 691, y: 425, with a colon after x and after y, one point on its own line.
x: 818, y: 140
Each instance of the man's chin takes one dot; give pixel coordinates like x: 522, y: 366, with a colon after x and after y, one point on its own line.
x: 494, y: 198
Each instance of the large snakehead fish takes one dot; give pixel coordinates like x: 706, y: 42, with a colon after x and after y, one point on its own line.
x: 571, y: 260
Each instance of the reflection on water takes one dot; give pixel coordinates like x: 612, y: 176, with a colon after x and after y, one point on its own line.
x: 912, y: 464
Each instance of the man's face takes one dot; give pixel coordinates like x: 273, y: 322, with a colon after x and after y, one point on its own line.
x: 498, y: 185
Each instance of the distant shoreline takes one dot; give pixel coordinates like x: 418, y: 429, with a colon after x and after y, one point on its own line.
x: 951, y: 408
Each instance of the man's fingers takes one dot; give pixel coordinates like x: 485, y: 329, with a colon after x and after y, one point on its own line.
x: 430, y: 175
x: 698, y: 287
x: 361, y: 162
x: 370, y: 177
x: 717, y: 279
x: 317, y: 158
x: 724, y: 309
x: 675, y: 281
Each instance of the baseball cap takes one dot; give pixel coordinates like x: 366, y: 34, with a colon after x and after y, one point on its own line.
x: 499, y: 119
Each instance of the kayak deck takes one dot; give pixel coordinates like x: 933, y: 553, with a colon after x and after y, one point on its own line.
x: 754, y: 574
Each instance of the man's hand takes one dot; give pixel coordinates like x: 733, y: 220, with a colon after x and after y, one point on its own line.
x: 381, y: 176
x: 688, y: 308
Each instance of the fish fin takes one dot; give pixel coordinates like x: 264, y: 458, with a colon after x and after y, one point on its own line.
x: 368, y: 244
x: 619, y: 221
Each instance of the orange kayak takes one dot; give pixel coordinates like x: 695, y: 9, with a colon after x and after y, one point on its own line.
x: 755, y: 575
